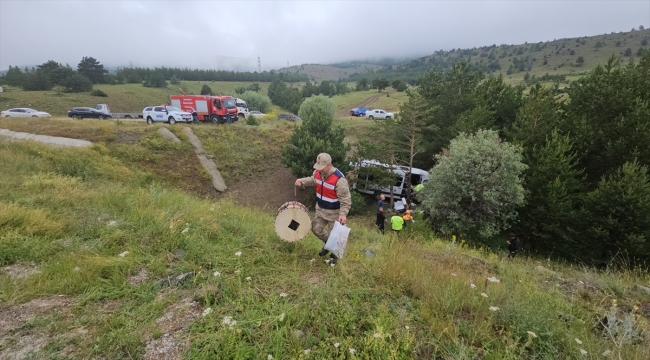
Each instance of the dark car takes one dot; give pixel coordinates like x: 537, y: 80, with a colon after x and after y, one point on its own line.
x: 86, y: 112
x: 358, y: 111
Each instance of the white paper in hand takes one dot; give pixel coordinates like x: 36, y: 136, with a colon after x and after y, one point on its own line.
x: 338, y: 239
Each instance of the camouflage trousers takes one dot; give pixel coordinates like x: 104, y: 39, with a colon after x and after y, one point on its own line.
x: 324, y: 218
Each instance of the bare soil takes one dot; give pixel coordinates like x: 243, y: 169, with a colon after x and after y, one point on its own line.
x: 173, y: 325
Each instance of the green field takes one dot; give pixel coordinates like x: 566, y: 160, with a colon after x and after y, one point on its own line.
x: 69, y: 290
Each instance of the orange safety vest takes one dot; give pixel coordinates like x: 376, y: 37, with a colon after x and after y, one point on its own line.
x: 326, y: 190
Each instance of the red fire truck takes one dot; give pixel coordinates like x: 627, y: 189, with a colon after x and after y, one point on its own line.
x: 216, y: 109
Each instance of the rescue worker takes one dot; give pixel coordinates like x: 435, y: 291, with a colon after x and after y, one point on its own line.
x: 407, y: 217
x: 334, y: 199
x: 396, y: 223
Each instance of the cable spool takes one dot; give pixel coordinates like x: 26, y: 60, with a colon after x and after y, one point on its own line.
x: 292, y: 222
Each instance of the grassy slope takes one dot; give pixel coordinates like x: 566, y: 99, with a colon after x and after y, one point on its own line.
x: 317, y: 72
x: 412, y: 300
x: 121, y: 98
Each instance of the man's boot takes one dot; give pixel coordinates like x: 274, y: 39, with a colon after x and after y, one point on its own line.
x: 323, y: 252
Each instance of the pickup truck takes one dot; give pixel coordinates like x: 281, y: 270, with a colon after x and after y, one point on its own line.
x: 104, y: 108
x: 358, y: 112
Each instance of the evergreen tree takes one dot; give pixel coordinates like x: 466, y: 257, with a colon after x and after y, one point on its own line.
x: 14, y: 76
x: 36, y: 81
x: 92, y: 69
x: 77, y: 83
x: 314, y: 136
x: 205, y: 90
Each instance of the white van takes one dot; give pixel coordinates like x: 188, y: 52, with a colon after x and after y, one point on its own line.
x: 242, y: 108
x: 364, y: 184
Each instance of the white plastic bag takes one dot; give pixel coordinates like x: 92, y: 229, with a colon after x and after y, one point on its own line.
x: 338, y: 239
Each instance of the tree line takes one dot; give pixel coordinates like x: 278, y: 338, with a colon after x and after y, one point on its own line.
x: 90, y: 71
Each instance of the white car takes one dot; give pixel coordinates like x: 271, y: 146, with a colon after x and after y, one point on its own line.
x: 256, y: 113
x: 379, y: 114
x: 24, y: 112
x: 168, y: 114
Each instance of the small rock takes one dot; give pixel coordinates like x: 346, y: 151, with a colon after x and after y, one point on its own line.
x: 369, y: 252
x: 178, y: 254
x: 175, y: 280
x: 643, y: 289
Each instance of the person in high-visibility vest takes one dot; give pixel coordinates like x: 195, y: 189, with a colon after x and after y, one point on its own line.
x: 396, y: 223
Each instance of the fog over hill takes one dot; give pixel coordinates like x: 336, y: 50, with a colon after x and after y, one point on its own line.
x: 194, y: 34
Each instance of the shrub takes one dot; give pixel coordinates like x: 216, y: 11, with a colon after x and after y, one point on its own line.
x: 205, y: 90
x: 256, y: 100
x: 252, y: 120
x: 476, y: 185
x: 37, y: 80
x: 98, y: 92
x: 358, y: 203
x: 77, y: 83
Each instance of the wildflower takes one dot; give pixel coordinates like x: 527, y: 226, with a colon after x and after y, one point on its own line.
x: 185, y: 230
x: 494, y: 308
x: 248, y: 278
x: 207, y: 311
x: 452, y: 274
x: 238, y: 253
x: 307, y: 351
x: 406, y: 327
x: 484, y: 295
x: 635, y: 308
x: 226, y: 320
x: 583, y: 352
x: 493, y: 279
x: 578, y: 341
x: 377, y: 335
x: 77, y: 269
x: 216, y: 273
x: 281, y: 317
x: 269, y: 357
x: 123, y: 254
x: 532, y: 334
x: 472, y: 286
x: 283, y: 294
x: 336, y: 345
x: 352, y: 351
x: 453, y: 237
x: 614, y: 303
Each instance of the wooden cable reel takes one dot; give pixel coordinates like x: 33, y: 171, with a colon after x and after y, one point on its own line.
x: 292, y: 222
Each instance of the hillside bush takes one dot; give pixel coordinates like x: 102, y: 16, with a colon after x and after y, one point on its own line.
x: 316, y: 135
x: 97, y: 92
x: 77, y: 83
x: 252, y: 120
x: 476, y: 186
x: 205, y: 90
x: 256, y: 101
x: 36, y: 81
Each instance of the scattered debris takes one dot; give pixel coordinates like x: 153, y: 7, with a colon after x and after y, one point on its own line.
x: 369, y: 252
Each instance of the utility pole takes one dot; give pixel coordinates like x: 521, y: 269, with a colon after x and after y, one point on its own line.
x: 259, y: 65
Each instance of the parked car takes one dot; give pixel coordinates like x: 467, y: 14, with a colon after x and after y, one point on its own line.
x: 86, y: 112
x: 168, y: 114
x: 358, y: 111
x: 256, y: 113
x: 24, y: 112
x: 379, y: 114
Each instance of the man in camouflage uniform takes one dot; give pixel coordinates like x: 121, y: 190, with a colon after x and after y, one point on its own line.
x: 334, y: 199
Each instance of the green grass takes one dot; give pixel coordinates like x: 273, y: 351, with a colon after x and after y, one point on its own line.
x: 70, y: 212
x: 351, y: 100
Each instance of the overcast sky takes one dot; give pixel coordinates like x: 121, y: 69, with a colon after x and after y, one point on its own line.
x: 231, y: 35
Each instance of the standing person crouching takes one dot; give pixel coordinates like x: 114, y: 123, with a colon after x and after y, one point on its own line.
x: 334, y: 199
